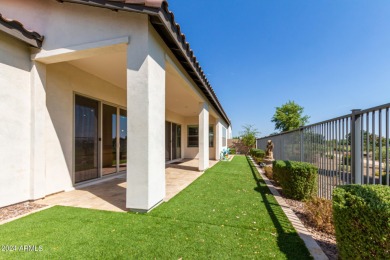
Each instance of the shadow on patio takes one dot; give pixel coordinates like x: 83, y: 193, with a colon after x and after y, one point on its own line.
x: 110, y: 194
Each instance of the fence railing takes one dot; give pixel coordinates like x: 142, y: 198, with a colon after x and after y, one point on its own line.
x: 349, y: 149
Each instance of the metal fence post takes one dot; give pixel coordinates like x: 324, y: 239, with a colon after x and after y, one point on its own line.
x: 356, y: 146
x: 302, y: 145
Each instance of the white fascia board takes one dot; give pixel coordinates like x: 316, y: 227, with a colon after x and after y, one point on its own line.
x: 82, y: 51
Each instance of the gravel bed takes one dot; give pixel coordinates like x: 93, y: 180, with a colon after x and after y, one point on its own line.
x: 326, y: 241
x: 18, y: 209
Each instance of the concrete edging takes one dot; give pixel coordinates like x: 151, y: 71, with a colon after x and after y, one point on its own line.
x: 314, y: 249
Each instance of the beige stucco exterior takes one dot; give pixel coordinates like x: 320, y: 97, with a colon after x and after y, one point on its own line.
x: 113, y: 57
x: 15, y: 110
x: 63, y: 81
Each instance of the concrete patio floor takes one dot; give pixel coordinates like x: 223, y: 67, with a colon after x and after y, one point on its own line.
x: 110, y: 194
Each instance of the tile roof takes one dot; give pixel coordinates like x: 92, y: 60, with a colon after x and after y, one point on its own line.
x: 17, y: 30
x: 164, y: 22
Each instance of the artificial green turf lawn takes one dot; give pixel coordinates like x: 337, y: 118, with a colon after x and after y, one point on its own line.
x: 228, y: 213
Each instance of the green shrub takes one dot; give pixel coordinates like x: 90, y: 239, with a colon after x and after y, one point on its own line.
x: 260, y: 153
x: 377, y: 151
x: 384, y: 179
x: 362, y: 221
x: 258, y: 160
x: 330, y: 156
x: 297, y: 179
x: 232, y: 150
x: 346, y: 160
x: 252, y: 151
x: 257, y: 153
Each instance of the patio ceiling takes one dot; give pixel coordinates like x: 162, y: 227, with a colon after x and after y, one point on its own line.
x: 164, y: 22
x: 109, y: 67
x: 181, y: 98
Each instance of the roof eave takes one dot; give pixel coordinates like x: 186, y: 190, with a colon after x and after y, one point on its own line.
x: 17, y: 30
x: 163, y: 21
x: 186, y: 58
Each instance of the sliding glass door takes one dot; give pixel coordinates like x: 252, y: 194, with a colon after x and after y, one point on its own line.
x: 109, y: 139
x: 168, y: 145
x: 123, y: 140
x: 172, y: 141
x: 100, y: 139
x: 86, y: 139
x: 176, y: 141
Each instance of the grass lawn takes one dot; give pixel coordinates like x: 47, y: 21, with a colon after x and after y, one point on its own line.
x: 228, y: 213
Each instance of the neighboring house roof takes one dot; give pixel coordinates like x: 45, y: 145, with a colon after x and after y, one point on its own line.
x: 163, y: 21
x: 17, y: 30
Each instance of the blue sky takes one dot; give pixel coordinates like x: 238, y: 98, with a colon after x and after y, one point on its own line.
x: 328, y: 56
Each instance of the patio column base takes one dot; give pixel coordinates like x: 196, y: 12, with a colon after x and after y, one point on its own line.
x: 145, y: 210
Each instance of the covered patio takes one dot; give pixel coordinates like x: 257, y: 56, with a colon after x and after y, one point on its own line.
x: 110, y: 193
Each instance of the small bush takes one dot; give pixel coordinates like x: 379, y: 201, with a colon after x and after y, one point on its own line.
x: 258, y: 160
x: 346, y: 160
x: 268, y: 172
x: 252, y: 151
x: 297, y: 179
x: 257, y: 153
x: 330, y: 156
x: 320, y: 214
x: 362, y: 221
x: 384, y: 179
x: 383, y: 150
x: 260, y: 153
x: 232, y: 151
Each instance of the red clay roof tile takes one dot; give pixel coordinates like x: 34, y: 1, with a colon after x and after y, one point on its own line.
x: 17, y: 30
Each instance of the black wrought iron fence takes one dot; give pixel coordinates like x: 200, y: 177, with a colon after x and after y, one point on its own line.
x: 349, y: 149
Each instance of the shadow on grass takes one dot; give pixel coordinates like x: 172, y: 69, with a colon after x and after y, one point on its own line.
x: 288, y: 240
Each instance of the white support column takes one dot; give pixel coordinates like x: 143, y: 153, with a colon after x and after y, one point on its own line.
x: 229, y: 133
x: 218, y: 139
x: 203, y: 136
x: 38, y: 117
x: 145, y: 124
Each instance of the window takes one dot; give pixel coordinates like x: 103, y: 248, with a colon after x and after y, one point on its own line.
x: 193, y: 136
x: 211, y: 136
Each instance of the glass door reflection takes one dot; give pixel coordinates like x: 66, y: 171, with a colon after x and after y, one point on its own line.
x: 122, y: 140
x: 109, y: 135
x: 86, y: 139
x: 178, y: 142
x: 172, y: 141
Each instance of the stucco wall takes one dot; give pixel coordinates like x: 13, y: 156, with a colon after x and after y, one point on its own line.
x: 189, y: 152
x: 193, y: 152
x: 67, y: 24
x: 15, y: 114
x: 63, y: 80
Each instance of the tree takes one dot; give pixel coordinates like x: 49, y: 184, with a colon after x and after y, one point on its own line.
x: 289, y: 117
x: 248, y: 136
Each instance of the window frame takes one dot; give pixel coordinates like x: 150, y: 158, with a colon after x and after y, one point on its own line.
x: 211, y: 136
x: 188, y: 136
